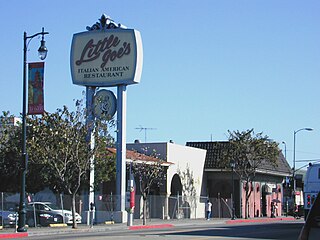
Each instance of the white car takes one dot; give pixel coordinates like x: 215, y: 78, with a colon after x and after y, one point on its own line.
x: 50, y: 208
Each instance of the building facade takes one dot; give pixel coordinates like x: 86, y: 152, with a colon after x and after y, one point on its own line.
x: 184, y: 185
x: 223, y: 185
x: 193, y: 175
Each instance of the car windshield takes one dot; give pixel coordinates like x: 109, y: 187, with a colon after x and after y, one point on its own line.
x: 53, y: 206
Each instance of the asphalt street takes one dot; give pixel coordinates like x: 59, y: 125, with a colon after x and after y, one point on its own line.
x: 281, y: 228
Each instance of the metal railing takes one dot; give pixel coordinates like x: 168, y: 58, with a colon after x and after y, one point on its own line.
x: 157, y: 206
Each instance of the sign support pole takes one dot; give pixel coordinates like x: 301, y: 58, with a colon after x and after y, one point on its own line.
x: 121, y: 153
x: 90, y: 139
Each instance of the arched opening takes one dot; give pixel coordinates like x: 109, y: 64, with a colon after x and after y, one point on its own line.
x: 257, y: 200
x: 176, y: 185
x: 266, y: 190
x: 175, y: 197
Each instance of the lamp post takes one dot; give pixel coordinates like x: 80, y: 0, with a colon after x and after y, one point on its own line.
x: 285, y: 157
x: 42, y: 54
x: 285, y: 149
x: 232, y: 164
x: 294, y: 161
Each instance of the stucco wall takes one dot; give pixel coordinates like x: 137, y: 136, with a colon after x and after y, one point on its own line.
x: 182, y: 157
x: 185, y: 160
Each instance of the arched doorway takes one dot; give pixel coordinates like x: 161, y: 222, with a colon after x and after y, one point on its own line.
x: 175, y: 197
x: 176, y: 185
x: 266, y: 191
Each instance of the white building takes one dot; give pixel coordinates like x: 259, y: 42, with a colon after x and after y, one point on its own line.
x: 180, y: 195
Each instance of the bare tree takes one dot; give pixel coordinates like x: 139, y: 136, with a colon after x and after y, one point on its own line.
x: 189, y: 191
x: 150, y: 174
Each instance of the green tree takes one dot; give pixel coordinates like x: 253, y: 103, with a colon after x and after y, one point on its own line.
x: 105, y: 163
x: 250, y: 152
x: 10, y: 153
x: 58, y: 152
x: 58, y: 141
x: 11, y: 160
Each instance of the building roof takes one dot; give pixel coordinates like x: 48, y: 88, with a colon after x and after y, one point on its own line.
x: 134, y: 156
x: 214, y: 154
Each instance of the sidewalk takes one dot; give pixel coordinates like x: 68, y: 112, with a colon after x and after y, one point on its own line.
x: 8, y: 233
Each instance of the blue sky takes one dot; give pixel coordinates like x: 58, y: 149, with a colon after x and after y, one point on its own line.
x: 209, y: 66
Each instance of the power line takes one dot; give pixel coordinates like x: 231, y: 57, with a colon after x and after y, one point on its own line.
x: 309, y: 160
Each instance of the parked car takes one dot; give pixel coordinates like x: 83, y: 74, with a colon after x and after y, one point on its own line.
x: 8, y: 217
x: 47, y: 212
x: 41, y: 218
x: 8, y: 214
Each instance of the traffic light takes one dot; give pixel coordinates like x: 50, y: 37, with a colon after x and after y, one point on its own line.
x: 308, y: 200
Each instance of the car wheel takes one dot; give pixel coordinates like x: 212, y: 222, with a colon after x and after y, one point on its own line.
x: 59, y: 219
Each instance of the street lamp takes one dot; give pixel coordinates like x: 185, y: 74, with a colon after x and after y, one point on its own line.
x: 285, y: 150
x: 294, y: 161
x: 42, y: 54
x: 232, y: 164
x: 285, y: 157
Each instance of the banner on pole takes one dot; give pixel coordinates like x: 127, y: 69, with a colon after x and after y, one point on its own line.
x: 35, y: 88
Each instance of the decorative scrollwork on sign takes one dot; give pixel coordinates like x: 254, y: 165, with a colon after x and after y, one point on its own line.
x: 105, y: 22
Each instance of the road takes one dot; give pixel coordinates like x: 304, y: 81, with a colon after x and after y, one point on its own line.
x: 261, y: 231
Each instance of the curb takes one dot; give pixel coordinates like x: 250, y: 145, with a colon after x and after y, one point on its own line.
x: 108, y: 226
x: 259, y: 220
x: 109, y: 222
x: 55, y: 225
x: 150, y: 226
x: 13, y: 235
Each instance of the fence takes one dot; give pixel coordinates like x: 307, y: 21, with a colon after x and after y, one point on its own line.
x: 157, y: 206
x: 221, y: 208
x: 194, y: 207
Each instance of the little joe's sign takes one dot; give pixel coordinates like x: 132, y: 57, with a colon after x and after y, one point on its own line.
x: 106, y: 58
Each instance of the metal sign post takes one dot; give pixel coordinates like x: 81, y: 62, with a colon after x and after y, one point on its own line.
x: 121, y: 154
x: 90, y: 138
